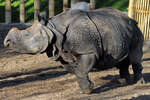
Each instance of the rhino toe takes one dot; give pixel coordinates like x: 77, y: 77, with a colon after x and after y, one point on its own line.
x: 86, y: 91
x: 141, y: 81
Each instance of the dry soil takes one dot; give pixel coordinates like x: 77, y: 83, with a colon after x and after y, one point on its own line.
x: 37, y: 77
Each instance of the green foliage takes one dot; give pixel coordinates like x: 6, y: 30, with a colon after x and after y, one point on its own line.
x: 58, y: 6
x: 29, y: 10
x: 2, y: 8
x: 29, y: 7
x: 118, y: 4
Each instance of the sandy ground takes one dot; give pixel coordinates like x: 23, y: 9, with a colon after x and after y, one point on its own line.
x: 36, y: 77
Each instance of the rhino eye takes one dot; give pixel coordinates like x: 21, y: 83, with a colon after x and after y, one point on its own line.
x: 41, y: 31
x: 26, y: 35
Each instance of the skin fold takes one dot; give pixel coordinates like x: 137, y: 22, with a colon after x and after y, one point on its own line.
x: 82, y: 40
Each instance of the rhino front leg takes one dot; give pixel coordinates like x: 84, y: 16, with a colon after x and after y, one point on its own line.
x: 68, y: 67
x: 86, y: 62
x: 135, y: 59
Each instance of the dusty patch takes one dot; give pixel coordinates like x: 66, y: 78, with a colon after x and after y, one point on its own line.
x: 36, y: 77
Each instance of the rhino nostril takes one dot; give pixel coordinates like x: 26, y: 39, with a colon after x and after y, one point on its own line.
x: 8, y: 40
x: 7, y: 43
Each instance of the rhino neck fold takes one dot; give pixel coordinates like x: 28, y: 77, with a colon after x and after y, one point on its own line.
x: 59, y: 37
x: 100, y: 36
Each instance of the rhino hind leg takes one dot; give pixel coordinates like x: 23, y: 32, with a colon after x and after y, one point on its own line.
x: 135, y: 59
x: 124, y: 72
x: 137, y: 70
x: 85, y: 65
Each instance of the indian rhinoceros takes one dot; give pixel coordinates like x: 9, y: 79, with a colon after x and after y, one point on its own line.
x: 82, y: 40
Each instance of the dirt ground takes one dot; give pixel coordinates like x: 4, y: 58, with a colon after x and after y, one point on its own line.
x: 36, y: 77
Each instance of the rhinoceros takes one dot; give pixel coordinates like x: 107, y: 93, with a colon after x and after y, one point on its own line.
x: 82, y: 40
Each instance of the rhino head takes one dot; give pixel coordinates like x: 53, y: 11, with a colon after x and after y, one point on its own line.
x: 35, y: 39
x: 45, y: 35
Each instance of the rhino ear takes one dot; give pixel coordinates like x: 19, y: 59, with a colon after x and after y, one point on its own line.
x: 42, y: 18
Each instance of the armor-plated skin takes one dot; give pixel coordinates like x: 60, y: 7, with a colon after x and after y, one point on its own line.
x: 82, y: 40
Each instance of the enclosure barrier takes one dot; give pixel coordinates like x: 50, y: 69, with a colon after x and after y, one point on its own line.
x: 37, y: 8
x: 140, y: 11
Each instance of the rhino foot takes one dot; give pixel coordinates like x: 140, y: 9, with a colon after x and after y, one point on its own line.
x: 86, y: 91
x: 140, y: 81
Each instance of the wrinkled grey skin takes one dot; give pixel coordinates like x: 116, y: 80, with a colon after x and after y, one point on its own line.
x: 81, y: 40
x: 25, y: 41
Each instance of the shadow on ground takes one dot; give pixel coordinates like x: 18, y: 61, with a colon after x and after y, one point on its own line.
x: 35, y: 75
x: 6, y: 52
x: 114, y: 83
x: 143, y: 97
x: 53, y: 72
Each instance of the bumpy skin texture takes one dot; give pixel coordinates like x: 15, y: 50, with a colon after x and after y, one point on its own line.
x: 103, y: 38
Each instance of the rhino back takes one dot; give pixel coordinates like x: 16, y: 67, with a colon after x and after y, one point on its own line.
x: 116, y: 31
x: 83, y: 36
x: 105, y: 32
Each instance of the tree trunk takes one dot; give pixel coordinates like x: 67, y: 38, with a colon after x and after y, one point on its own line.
x: 8, y: 11
x: 92, y: 4
x: 36, y: 8
x: 65, y: 4
x: 22, y: 11
x: 51, y: 8
x: 131, y: 6
x: 73, y: 2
